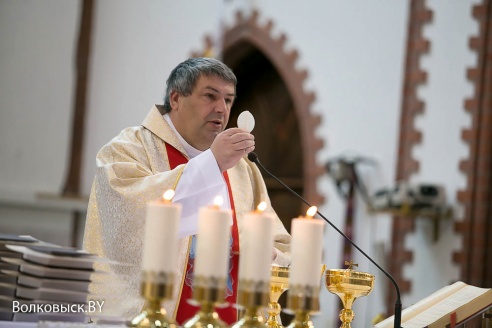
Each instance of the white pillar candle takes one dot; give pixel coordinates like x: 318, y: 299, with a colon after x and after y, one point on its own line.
x: 212, y: 245
x: 161, y: 234
x: 256, y: 246
x: 306, y: 248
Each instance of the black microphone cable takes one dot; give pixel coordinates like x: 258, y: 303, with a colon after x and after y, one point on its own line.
x: 253, y: 157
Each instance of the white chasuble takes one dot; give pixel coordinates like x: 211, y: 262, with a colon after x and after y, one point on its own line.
x: 133, y: 169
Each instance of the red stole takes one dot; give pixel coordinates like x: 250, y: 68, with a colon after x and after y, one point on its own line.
x: 185, y: 310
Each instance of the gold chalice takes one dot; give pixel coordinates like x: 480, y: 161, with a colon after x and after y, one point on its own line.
x: 279, y: 283
x: 348, y: 285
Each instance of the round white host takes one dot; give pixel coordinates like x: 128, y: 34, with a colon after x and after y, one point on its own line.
x: 246, y: 121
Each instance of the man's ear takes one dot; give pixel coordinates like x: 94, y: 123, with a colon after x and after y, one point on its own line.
x: 174, y: 99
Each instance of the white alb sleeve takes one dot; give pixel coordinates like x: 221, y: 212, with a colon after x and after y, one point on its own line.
x: 199, y: 184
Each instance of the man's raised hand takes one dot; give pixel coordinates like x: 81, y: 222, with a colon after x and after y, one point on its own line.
x: 230, y: 145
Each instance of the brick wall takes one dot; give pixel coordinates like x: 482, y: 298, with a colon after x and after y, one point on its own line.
x: 411, y: 106
x: 475, y: 258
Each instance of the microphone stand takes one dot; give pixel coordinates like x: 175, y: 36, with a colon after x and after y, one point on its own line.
x: 253, y: 157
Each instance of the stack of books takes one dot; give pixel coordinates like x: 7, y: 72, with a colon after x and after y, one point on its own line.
x: 42, y: 281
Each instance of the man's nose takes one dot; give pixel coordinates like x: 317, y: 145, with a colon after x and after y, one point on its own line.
x: 221, y: 106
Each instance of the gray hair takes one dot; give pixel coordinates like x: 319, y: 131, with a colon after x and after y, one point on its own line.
x: 183, y: 77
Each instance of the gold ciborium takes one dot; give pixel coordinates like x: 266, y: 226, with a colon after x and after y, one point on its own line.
x: 279, y: 283
x: 348, y: 285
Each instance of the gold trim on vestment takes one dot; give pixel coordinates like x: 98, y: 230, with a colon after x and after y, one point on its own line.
x: 187, y: 253
x: 178, y: 177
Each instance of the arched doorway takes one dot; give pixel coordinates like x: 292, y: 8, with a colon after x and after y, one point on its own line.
x: 261, y: 90
x: 271, y: 88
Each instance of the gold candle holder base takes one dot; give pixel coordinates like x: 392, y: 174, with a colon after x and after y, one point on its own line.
x: 153, y: 316
x: 279, y: 283
x: 252, y: 296
x: 302, y: 300
x: 348, y: 285
x: 251, y: 318
x: 155, y: 288
x: 301, y: 320
x: 206, y: 317
x: 207, y: 293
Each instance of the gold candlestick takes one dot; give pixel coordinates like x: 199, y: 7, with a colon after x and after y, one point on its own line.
x: 155, y: 288
x: 251, y: 296
x: 279, y: 283
x: 301, y: 319
x: 348, y: 285
x: 207, y: 292
x: 302, y: 300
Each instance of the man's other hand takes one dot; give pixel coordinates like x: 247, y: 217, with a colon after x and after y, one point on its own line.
x: 230, y: 145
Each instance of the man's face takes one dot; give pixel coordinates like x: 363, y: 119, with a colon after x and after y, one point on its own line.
x: 201, y: 116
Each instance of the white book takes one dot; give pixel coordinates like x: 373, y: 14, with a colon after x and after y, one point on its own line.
x: 48, y: 272
x: 25, y: 240
x: 12, y: 238
x: 7, y: 301
x: 35, y: 282
x: 18, y: 278
x: 457, y: 302
x: 7, y: 289
x: 8, y: 277
x: 8, y: 253
x: 6, y: 314
x: 51, y: 294
x: 55, y: 256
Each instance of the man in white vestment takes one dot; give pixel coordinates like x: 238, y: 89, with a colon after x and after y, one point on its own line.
x: 182, y: 144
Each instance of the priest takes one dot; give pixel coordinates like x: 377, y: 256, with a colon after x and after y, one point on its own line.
x: 181, y: 145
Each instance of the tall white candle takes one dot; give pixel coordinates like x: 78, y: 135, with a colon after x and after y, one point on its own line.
x: 161, y: 234
x: 256, y: 246
x: 307, y: 248
x: 212, y: 246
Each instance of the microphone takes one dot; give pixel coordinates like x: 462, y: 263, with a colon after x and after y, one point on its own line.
x: 253, y: 157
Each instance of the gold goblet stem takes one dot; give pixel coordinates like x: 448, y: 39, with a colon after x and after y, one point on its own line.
x: 347, y: 315
x: 348, y: 285
x: 273, y: 311
x: 279, y: 283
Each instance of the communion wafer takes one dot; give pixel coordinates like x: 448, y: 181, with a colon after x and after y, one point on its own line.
x: 246, y: 121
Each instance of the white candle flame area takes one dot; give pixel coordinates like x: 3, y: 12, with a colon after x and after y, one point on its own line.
x: 311, y: 212
x: 218, y: 201
x: 168, y: 195
x: 261, y: 207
